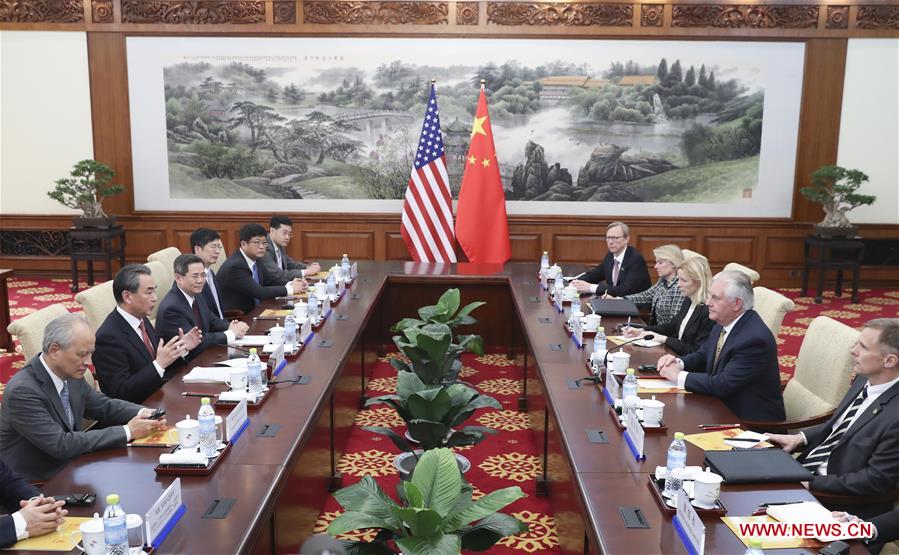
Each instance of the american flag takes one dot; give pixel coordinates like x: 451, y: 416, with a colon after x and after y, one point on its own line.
x: 428, y: 211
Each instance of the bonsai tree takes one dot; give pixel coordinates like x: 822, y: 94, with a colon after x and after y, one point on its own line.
x: 437, y: 514
x: 427, y: 341
x: 431, y: 413
x: 835, y: 187
x: 85, y: 188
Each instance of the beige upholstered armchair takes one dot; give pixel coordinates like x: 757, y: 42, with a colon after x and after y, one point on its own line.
x: 772, y: 307
x: 97, y: 303
x: 29, y: 330
x: 735, y: 267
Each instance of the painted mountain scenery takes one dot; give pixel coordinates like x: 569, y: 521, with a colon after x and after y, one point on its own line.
x: 648, y: 123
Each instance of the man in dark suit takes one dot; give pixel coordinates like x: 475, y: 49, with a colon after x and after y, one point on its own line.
x: 207, y: 244
x: 45, y: 402
x: 280, y: 268
x: 241, y: 278
x: 856, y: 452
x: 738, y: 362
x: 185, y: 308
x: 622, y: 271
x: 131, y: 360
x: 30, y: 513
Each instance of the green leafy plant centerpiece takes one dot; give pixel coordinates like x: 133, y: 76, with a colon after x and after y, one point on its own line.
x: 85, y: 188
x: 437, y: 515
x: 834, y: 187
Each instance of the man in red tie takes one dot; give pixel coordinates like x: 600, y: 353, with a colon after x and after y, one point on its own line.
x: 130, y: 359
x: 622, y: 271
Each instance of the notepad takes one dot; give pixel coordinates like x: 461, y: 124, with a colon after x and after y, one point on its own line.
x: 250, y: 341
x: 60, y: 540
x: 809, y: 511
x: 234, y: 362
x: 207, y: 374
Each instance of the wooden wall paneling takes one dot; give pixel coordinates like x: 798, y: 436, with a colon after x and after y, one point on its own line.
x: 570, y: 247
x: 646, y: 243
x: 784, y: 251
x: 526, y: 246
x: 109, y: 106
x: 721, y: 250
x: 819, y: 117
x: 142, y: 242
x: 331, y: 245
x: 394, y: 247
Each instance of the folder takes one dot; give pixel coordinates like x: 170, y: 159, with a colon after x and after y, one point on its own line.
x: 615, y: 307
x: 755, y: 466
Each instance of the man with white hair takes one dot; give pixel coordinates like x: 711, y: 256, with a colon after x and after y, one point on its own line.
x: 738, y: 362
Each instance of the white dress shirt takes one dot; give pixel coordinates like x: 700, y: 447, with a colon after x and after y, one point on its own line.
x: 683, y: 324
x: 682, y: 377
x: 190, y: 301
x: 874, y: 391
x: 617, y: 258
x: 215, y: 294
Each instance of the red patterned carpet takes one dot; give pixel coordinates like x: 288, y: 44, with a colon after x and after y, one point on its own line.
x: 505, y: 459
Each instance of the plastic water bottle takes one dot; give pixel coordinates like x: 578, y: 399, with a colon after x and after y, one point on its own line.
x: 544, y: 262
x: 629, y: 391
x: 290, y: 330
x: 599, y: 348
x: 254, y: 373
x: 755, y: 547
x: 575, y: 308
x: 206, y: 418
x: 312, y: 308
x: 345, y: 267
x: 115, y: 528
x: 332, y: 284
x: 677, y: 458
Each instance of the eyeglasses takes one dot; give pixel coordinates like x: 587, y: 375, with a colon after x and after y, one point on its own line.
x: 257, y: 242
x: 215, y: 246
x: 614, y: 237
x: 195, y: 277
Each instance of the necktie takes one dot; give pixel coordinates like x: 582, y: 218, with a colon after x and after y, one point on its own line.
x: 64, y: 397
x: 821, y: 453
x: 718, y: 350
x: 196, y: 308
x: 146, y: 338
x: 256, y: 273
x: 280, y: 260
x: 615, y: 269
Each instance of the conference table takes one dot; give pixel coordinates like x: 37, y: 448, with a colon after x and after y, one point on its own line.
x: 279, y: 484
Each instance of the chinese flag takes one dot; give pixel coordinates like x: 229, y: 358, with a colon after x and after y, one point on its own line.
x: 482, y: 229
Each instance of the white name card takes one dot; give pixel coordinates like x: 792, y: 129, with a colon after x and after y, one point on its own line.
x: 341, y: 287
x: 578, y: 329
x: 236, y: 419
x: 326, y: 306
x: 276, y: 358
x: 612, y: 386
x: 635, y: 432
x: 157, y: 519
x: 691, y: 526
x: 354, y: 270
x: 305, y: 330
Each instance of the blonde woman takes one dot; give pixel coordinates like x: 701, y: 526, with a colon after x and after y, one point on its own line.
x: 664, y: 297
x: 690, y: 328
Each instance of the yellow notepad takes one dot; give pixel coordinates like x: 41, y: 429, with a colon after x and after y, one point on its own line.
x: 271, y: 312
x: 61, y: 540
x: 714, y: 441
x: 162, y: 438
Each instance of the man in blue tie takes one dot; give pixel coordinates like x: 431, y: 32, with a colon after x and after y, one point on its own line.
x: 240, y: 279
x: 207, y: 244
x: 856, y: 452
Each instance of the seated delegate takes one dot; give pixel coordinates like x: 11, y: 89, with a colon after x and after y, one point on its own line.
x: 664, y: 298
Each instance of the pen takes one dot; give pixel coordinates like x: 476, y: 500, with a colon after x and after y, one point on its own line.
x: 753, y: 440
x: 267, y: 317
x: 197, y: 394
x: 719, y: 426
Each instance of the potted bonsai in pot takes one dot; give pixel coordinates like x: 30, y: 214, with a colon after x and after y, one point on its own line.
x: 436, y: 513
x: 834, y: 187
x: 84, y: 189
x: 431, y: 412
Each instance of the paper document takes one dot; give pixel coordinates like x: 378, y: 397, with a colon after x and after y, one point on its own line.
x: 234, y: 362
x: 717, y: 440
x: 738, y: 443
x: 768, y: 542
x: 207, y: 374
x: 654, y: 384
x: 809, y: 511
x: 250, y: 341
x: 60, y: 540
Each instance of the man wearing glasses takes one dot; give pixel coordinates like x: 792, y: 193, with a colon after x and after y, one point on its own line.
x: 279, y: 267
x: 207, y: 244
x: 240, y: 279
x: 184, y: 308
x: 622, y: 271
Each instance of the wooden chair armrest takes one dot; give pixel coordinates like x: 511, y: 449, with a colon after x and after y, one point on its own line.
x: 782, y: 427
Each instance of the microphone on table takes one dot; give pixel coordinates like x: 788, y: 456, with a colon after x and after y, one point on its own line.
x: 595, y: 377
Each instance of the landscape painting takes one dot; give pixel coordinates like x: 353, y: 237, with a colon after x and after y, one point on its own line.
x: 625, y: 123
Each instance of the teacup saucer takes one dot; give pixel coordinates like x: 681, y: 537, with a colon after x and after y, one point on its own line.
x: 697, y: 504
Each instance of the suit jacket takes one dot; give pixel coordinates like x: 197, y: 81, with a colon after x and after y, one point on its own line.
x: 633, y: 276
x: 695, y: 333
x: 124, y: 365
x: 279, y: 275
x: 237, y: 288
x: 866, y: 459
x: 747, y: 378
x: 887, y: 525
x: 211, y: 297
x: 35, y: 437
x: 174, y: 312
x: 12, y: 490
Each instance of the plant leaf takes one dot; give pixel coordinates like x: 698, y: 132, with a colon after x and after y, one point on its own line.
x: 430, y: 404
x: 429, y: 434
x: 428, y: 313
x: 424, y: 523
x: 407, y: 323
x: 365, y: 496
x: 483, y: 507
x: 443, y: 544
x: 367, y: 548
x: 413, y: 495
x: 450, y: 302
x: 490, y: 530
x: 397, y: 440
x: 408, y: 383
x: 438, y: 479
x: 353, y: 520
